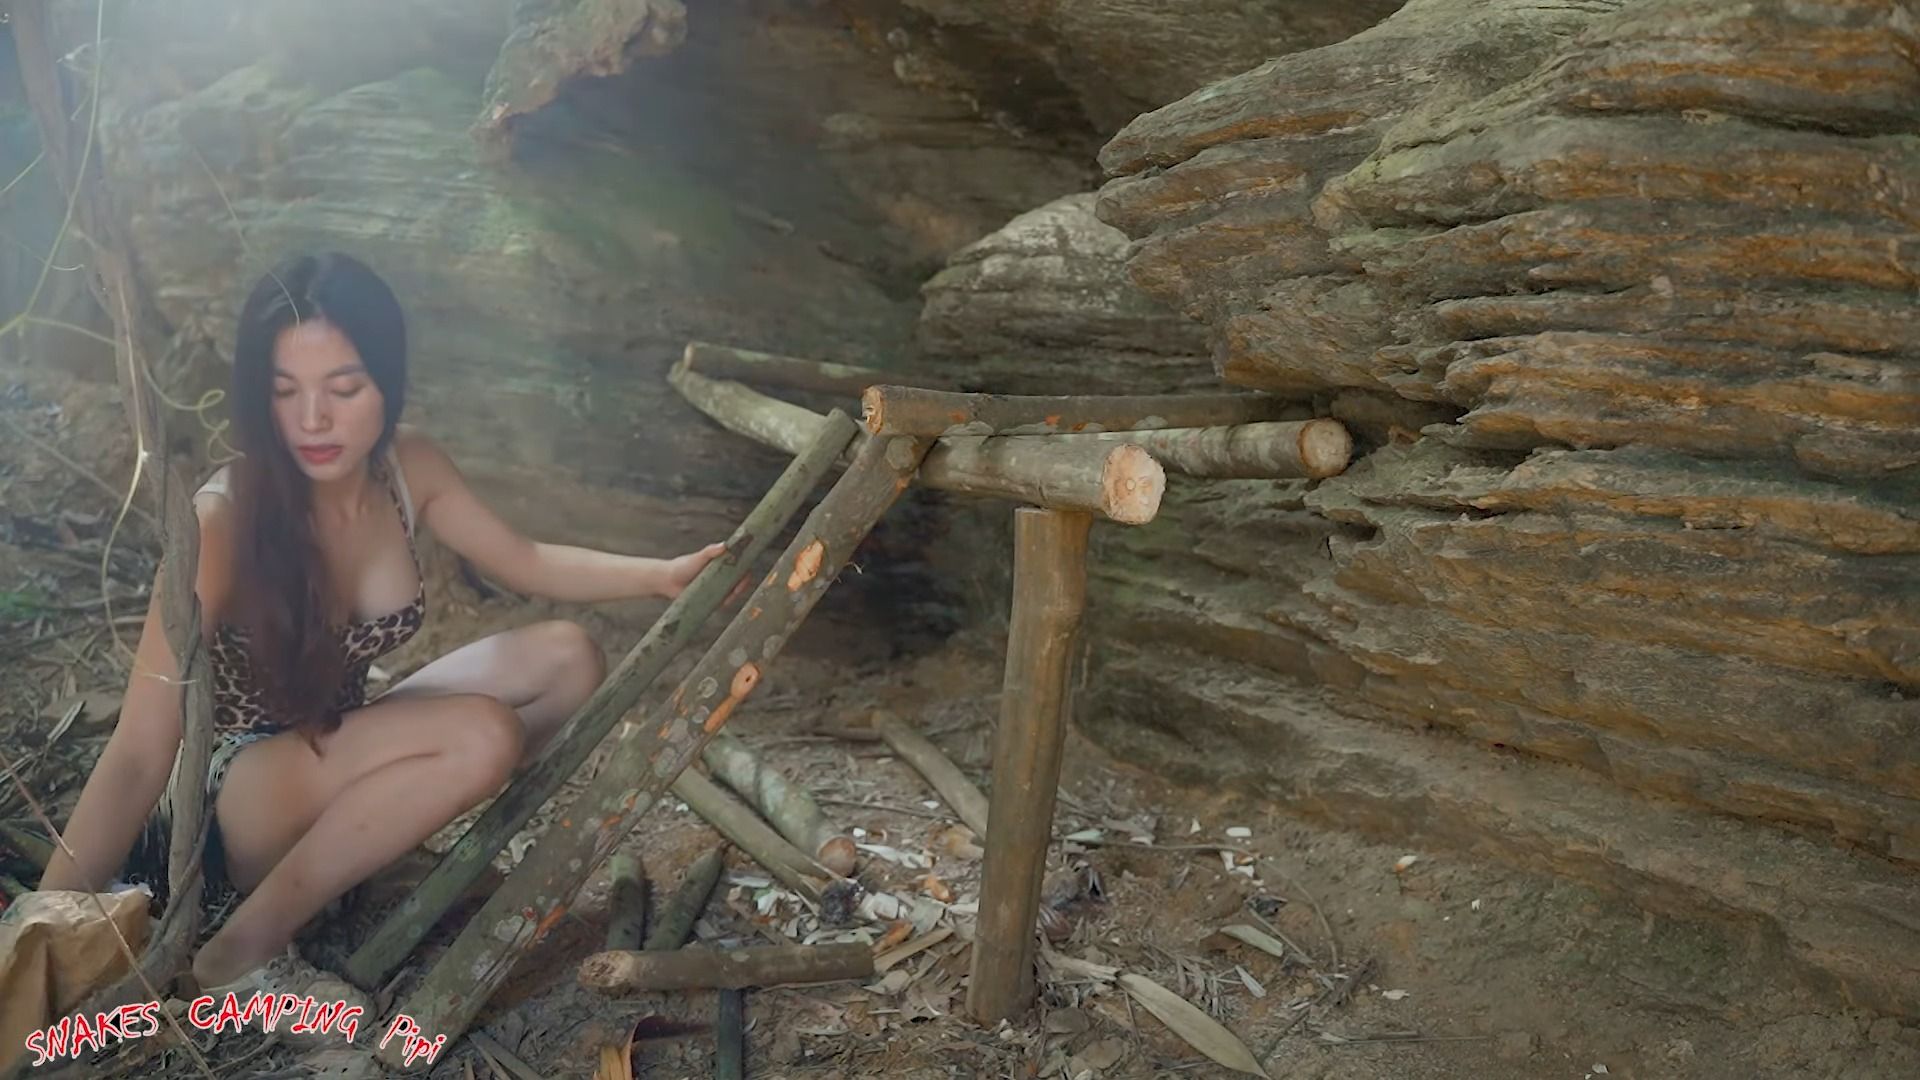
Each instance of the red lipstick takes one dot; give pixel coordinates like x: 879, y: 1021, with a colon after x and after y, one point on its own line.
x: 319, y: 455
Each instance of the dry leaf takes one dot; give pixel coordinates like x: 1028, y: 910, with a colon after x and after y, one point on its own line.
x: 1401, y: 864
x: 1102, y: 1055
x: 1240, y: 832
x: 614, y: 1065
x: 912, y: 948
x: 934, y: 887
x: 1067, y: 1022
x: 1252, y: 984
x: 1393, y: 995
x: 1202, y: 1032
x: 897, y: 933
x: 958, y: 842
x: 1259, y: 939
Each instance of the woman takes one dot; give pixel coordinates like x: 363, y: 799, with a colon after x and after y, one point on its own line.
x: 307, y: 574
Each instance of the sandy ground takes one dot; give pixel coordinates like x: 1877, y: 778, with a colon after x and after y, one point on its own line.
x: 1452, y: 966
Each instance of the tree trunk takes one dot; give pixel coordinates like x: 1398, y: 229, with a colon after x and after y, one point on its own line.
x: 794, y: 373
x: 1281, y: 449
x: 906, y: 410
x: 649, y: 754
x: 725, y: 969
x: 918, y: 751
x: 1049, y: 594
x: 1121, y: 483
x: 786, y: 804
x: 388, y: 947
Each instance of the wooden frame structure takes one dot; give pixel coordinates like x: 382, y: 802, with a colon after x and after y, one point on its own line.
x: 1068, y: 460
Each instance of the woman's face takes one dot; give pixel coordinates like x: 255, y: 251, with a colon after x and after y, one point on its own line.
x: 327, y: 407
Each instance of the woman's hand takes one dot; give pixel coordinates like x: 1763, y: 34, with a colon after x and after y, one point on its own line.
x: 677, y: 573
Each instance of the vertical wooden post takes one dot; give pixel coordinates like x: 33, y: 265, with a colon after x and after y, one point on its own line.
x: 1049, y: 593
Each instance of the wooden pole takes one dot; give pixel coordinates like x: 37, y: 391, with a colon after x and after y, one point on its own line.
x: 1049, y: 594
x: 675, y: 924
x: 648, y: 754
x: 626, y: 903
x: 730, y: 1036
x: 904, y: 410
x: 697, y: 968
x: 377, y: 958
x: 732, y: 819
x: 940, y: 772
x: 786, y: 804
x: 794, y: 373
x: 1119, y: 482
x: 1280, y: 449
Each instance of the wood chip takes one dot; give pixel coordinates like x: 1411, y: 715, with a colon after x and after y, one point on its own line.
x: 912, y: 948
x: 1259, y: 939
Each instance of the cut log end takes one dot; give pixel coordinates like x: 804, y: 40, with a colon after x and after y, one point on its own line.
x: 873, y: 409
x: 838, y: 855
x: 1131, y: 485
x: 1325, y: 448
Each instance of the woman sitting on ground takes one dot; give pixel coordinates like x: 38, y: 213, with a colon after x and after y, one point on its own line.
x: 307, y: 574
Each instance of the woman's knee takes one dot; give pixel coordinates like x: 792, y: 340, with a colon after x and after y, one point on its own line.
x: 574, y: 656
x: 491, y: 737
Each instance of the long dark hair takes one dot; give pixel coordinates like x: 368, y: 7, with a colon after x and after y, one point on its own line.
x: 280, y: 582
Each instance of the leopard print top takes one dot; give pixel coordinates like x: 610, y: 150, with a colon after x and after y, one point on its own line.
x: 238, y: 701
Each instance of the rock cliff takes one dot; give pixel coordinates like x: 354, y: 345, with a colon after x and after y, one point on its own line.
x: 1619, y: 297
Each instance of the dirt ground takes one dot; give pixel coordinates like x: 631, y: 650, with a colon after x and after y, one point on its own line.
x: 1451, y: 965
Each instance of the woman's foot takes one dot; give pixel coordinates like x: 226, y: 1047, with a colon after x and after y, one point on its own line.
x: 303, y: 1005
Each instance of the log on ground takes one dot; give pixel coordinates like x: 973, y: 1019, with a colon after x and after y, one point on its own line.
x: 648, y: 755
x: 940, y: 772
x: 732, y: 819
x: 905, y: 410
x: 698, y: 968
x: 781, y: 801
x: 675, y: 924
x: 626, y: 903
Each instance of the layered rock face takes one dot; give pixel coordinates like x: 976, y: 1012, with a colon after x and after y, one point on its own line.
x: 1620, y: 298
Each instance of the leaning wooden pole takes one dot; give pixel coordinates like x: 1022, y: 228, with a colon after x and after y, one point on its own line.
x: 443, y: 887
x: 649, y: 753
x: 910, y: 410
x: 1049, y: 594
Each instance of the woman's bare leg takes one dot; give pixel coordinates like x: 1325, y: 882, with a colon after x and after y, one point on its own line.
x: 299, y: 829
x: 544, y: 672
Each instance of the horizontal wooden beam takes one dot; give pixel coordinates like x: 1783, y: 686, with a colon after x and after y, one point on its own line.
x: 1117, y: 481
x: 794, y: 373
x: 1275, y: 450
x: 902, y: 409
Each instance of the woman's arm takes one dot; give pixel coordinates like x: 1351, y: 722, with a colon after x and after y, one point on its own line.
x: 555, y: 571
x: 134, y: 768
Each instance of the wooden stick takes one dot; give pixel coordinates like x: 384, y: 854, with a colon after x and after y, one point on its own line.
x: 730, y: 1036
x: 675, y: 924
x: 769, y: 369
x: 909, y: 410
x: 626, y: 903
x: 648, y: 755
x: 35, y: 850
x: 1280, y: 449
x: 733, y: 820
x: 786, y: 804
x: 699, y: 968
x: 1121, y: 483
x: 1049, y: 595
x: 370, y: 965
x: 946, y: 778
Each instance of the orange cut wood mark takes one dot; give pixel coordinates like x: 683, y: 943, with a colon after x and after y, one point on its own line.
x: 753, y: 613
x: 806, y: 565
x: 958, y: 416
x: 743, y: 683
x: 546, y: 924
x: 1052, y: 421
